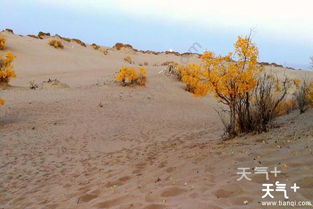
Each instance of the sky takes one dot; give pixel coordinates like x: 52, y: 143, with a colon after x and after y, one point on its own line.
x: 282, y: 29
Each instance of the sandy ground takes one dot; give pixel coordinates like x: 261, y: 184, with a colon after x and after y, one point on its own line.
x: 94, y: 144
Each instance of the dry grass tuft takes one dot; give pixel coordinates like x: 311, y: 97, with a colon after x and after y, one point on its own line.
x: 119, y: 46
x: 42, y: 35
x: 79, y: 42
x: 33, y: 36
x: 56, y: 44
x: 168, y: 63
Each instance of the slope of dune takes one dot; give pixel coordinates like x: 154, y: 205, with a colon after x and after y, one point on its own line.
x: 91, y: 143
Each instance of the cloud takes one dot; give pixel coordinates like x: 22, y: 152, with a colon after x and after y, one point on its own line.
x: 285, y: 19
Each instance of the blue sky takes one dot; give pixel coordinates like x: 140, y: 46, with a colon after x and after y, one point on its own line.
x: 282, y: 29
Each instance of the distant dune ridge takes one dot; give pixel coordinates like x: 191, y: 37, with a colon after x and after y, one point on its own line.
x: 71, y: 137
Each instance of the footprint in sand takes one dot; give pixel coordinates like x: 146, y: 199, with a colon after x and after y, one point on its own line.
x: 110, y: 203
x: 228, y: 191
x: 87, y: 197
x: 155, y: 206
x: 172, y: 192
x: 90, y: 196
x: 118, y: 182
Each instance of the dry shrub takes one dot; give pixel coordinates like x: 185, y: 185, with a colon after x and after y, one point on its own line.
x: 105, y: 51
x: 173, y: 53
x: 129, y: 60
x: 56, y: 44
x: 150, y: 52
x: 33, y: 85
x: 52, y: 83
x: 302, y: 96
x: 42, y: 35
x: 119, y: 46
x: 285, y: 107
x: 33, y: 36
x: 95, y: 46
x: 266, y: 101
x: 2, y: 42
x: 79, y: 42
x: 310, y: 94
x: 167, y: 63
x: 129, y: 75
x: 174, y: 69
x: 63, y: 38
x: 6, y: 67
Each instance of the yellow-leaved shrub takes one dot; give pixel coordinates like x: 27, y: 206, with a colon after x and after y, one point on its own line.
x: 2, y: 42
x: 56, y: 44
x: 6, y: 67
x: 129, y: 75
x: 238, y: 81
x: 193, y: 76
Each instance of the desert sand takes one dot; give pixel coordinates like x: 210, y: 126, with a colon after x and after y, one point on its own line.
x: 88, y: 142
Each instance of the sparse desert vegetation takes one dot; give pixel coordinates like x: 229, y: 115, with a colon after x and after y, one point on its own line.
x: 114, y: 142
x: 119, y: 46
x: 129, y: 75
x: 6, y: 67
x: 2, y: 42
x: 56, y: 44
x: 252, y: 99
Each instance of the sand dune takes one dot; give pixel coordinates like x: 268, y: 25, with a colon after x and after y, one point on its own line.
x: 89, y: 143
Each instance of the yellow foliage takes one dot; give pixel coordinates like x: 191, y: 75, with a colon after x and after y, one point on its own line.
x: 228, y: 80
x: 56, y: 44
x: 285, y: 107
x: 1, y: 101
x: 129, y: 75
x: 194, y: 78
x: 2, y: 42
x: 6, y: 67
